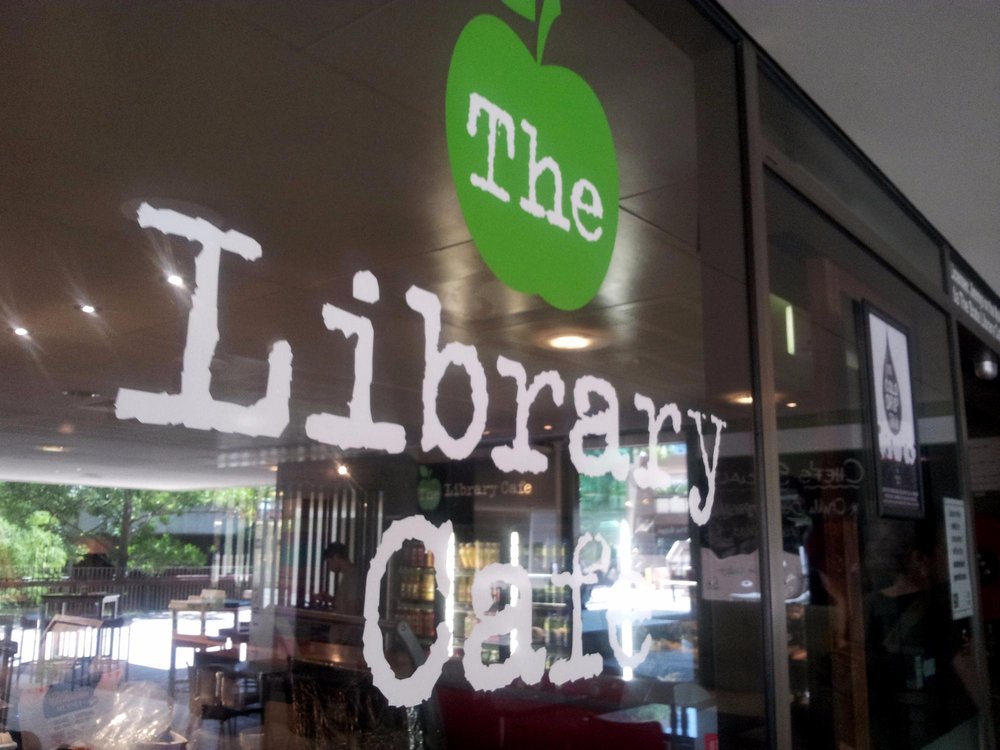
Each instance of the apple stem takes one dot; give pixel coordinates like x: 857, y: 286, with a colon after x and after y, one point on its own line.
x: 550, y: 12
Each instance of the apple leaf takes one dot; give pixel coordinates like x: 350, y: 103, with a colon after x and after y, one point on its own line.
x: 524, y: 8
x: 550, y: 12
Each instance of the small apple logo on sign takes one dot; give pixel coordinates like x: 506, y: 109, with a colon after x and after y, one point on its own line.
x: 533, y: 161
x: 428, y: 490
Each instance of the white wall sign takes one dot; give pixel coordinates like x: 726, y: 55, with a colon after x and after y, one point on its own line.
x: 959, y: 575
x: 974, y: 302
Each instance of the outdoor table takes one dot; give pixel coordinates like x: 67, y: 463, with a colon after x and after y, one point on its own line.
x: 103, y: 603
x: 200, y: 640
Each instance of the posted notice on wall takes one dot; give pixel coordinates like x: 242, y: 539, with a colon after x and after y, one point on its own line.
x: 895, y: 423
x: 958, y: 558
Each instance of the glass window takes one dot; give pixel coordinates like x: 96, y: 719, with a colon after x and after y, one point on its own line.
x: 349, y: 467
x: 879, y: 653
x: 808, y: 142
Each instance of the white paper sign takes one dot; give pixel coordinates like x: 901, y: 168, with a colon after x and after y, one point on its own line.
x: 959, y: 574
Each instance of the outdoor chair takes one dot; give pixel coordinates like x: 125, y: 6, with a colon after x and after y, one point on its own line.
x: 66, y: 650
x: 8, y: 651
x: 220, y: 692
x: 114, y: 641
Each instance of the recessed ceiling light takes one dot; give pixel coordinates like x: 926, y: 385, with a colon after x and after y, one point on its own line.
x: 744, y: 398
x: 81, y: 393
x: 19, y: 331
x: 547, y: 427
x: 570, y: 341
x: 175, y: 280
x: 89, y: 309
x: 792, y: 404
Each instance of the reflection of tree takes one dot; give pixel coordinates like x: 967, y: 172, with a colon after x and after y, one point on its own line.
x: 34, y: 546
x: 130, y: 519
x: 602, y: 493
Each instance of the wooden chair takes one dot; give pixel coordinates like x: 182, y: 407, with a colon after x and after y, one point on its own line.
x: 220, y: 692
x: 114, y: 637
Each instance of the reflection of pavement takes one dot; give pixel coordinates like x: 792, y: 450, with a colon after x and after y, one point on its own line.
x: 661, y: 602
x: 676, y: 666
x: 149, y: 663
x: 149, y: 649
x: 151, y: 637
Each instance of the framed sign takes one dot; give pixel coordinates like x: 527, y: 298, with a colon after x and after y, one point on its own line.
x: 891, y: 416
x: 958, y: 558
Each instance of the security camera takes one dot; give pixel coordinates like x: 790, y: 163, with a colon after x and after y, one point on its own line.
x: 986, y: 365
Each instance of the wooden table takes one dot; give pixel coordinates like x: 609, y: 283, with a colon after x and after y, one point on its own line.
x: 99, y: 603
x: 337, y: 655
x: 200, y: 641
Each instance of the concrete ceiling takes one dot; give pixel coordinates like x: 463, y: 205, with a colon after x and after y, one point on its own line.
x: 316, y: 129
x: 291, y: 123
x: 916, y: 84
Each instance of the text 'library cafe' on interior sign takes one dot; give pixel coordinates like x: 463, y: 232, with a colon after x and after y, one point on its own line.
x: 551, y: 376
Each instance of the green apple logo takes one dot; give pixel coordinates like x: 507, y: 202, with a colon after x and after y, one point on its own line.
x: 428, y: 490
x: 533, y: 161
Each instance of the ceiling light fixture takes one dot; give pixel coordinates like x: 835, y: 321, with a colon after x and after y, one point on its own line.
x: 343, y: 470
x: 986, y: 365
x: 19, y: 331
x: 745, y: 399
x: 175, y: 280
x: 790, y: 330
x: 81, y: 393
x: 570, y: 341
x: 792, y: 404
x: 89, y: 309
x: 52, y: 448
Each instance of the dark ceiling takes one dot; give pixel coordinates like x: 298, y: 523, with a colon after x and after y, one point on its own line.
x: 317, y: 129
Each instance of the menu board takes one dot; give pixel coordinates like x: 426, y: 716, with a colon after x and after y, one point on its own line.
x: 958, y: 558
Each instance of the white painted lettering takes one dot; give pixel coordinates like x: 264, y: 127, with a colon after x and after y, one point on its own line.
x: 357, y: 430
x: 435, y: 364
x: 536, y: 169
x: 579, y: 665
x: 410, y: 691
x: 700, y: 510
x: 515, y: 618
x: 194, y: 406
x: 519, y: 455
x: 652, y: 476
x: 604, y: 422
x: 496, y: 117
x: 594, y: 207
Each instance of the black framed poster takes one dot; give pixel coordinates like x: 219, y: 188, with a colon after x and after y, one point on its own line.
x: 891, y: 416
